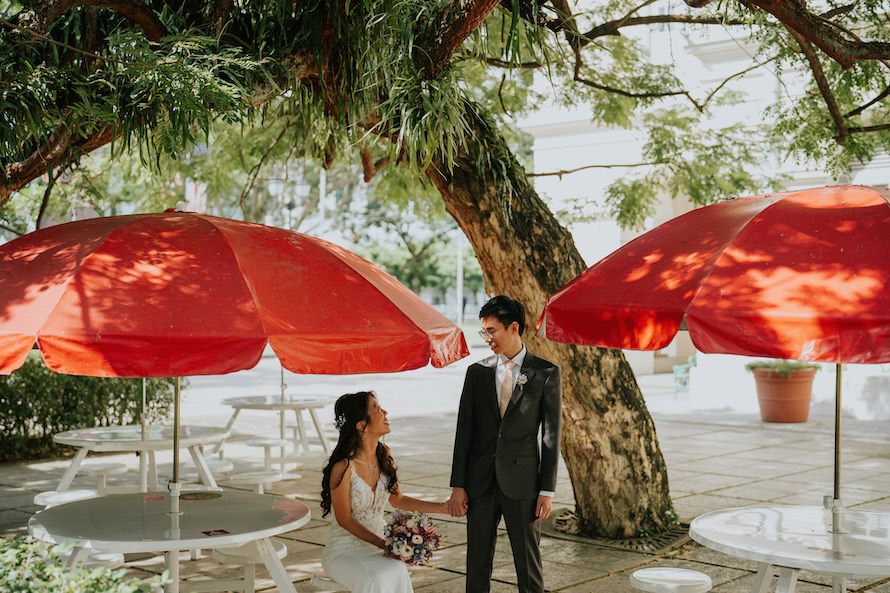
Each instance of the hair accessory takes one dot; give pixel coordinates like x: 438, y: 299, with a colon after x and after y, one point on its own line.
x: 340, y: 421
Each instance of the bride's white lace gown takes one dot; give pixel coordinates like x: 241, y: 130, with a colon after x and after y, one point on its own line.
x: 356, y: 563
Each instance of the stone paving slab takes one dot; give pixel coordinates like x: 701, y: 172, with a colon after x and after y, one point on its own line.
x: 714, y: 461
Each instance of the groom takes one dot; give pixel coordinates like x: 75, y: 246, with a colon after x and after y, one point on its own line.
x: 498, y: 468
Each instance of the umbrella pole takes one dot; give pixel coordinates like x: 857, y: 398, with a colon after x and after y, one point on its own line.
x: 142, y: 419
x: 143, y: 455
x: 176, y: 423
x: 281, y: 421
x: 172, y: 557
x: 836, y: 505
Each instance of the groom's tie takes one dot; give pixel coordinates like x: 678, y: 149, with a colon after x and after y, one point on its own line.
x: 506, y: 386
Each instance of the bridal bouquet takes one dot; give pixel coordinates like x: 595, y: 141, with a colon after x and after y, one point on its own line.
x: 410, y: 537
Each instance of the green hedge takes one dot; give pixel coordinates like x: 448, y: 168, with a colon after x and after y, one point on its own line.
x: 36, y: 403
x: 27, y: 566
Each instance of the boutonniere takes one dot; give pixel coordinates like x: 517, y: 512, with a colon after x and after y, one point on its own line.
x: 521, y: 380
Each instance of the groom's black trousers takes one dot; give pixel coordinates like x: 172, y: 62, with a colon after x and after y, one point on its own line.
x: 525, y: 537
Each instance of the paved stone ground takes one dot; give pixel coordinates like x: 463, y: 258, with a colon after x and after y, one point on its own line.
x: 714, y: 462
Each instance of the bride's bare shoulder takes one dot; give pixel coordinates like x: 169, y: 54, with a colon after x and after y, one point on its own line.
x: 340, y: 470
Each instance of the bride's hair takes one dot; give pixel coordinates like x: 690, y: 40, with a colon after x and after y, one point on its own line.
x: 349, y: 410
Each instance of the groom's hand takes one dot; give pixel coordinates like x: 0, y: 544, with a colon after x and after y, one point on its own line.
x: 543, y: 508
x: 458, y: 504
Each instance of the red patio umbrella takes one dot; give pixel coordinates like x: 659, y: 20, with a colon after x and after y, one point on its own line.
x: 802, y: 275
x: 175, y: 294
x: 179, y: 293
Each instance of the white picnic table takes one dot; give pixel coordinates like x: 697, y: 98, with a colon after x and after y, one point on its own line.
x: 143, y: 523
x: 276, y: 403
x: 789, y: 539
x: 130, y: 438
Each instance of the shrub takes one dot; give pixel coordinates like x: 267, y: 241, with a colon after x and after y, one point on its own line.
x: 781, y: 367
x: 28, y: 566
x: 36, y: 403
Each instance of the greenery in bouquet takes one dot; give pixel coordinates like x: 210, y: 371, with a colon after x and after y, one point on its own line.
x: 410, y: 537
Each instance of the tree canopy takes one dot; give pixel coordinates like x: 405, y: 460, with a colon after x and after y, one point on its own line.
x: 336, y: 76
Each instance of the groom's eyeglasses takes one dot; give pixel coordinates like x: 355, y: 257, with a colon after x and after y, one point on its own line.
x: 488, y: 333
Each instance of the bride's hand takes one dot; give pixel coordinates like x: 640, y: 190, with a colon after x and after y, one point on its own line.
x: 457, y: 505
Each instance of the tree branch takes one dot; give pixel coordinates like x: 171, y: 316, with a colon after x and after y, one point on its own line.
x: 44, y: 203
x: 453, y: 25
x: 9, y: 229
x: 137, y: 12
x: 633, y: 95
x: 219, y: 15
x: 563, y: 172
x: 60, y: 148
x: 255, y: 171
x: 838, y: 11
x: 824, y: 87
x: 868, y: 129
x: 880, y: 97
x: 37, y: 35
x: 754, y: 66
x: 370, y: 167
x: 822, y: 33
x: 499, y: 63
x: 614, y: 27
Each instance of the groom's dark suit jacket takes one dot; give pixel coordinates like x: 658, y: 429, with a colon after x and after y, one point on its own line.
x: 488, y: 448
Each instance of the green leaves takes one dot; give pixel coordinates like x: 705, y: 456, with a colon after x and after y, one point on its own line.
x: 160, y: 97
x: 691, y: 160
x: 36, y: 403
x: 317, y: 79
x: 29, y: 566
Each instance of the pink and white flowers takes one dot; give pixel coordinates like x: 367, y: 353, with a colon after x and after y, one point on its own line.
x: 410, y: 537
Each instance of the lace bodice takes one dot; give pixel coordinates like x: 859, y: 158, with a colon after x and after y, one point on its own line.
x: 367, y: 508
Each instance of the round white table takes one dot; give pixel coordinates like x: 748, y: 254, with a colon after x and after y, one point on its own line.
x: 142, y: 522
x: 793, y: 538
x: 129, y: 438
x: 296, y: 403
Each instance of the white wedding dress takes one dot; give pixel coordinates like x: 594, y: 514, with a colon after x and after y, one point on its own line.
x: 355, y: 563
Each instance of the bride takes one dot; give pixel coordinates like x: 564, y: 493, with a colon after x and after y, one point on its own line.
x: 358, y: 479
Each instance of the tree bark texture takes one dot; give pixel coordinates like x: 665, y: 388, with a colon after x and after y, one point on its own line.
x: 608, y: 440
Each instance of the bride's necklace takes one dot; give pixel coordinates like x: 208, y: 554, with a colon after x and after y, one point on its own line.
x: 374, y: 469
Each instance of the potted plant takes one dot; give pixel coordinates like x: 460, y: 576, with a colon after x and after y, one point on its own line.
x: 784, y: 389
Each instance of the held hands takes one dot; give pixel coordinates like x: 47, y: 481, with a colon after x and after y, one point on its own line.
x: 458, y: 504
x: 543, y: 508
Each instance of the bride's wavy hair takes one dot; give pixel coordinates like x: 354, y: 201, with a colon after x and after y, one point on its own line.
x: 349, y: 410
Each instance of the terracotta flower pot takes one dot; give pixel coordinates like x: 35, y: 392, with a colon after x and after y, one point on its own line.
x: 784, y: 398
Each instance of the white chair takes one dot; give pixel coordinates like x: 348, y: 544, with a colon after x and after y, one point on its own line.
x: 101, y: 471
x: 217, y: 467
x: 327, y: 584
x: 99, y: 560
x: 259, y: 480
x: 247, y: 555
x: 88, y: 559
x: 670, y: 580
x: 267, y: 445
x: 52, y: 498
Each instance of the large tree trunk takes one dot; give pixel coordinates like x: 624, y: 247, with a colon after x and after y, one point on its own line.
x: 608, y: 441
